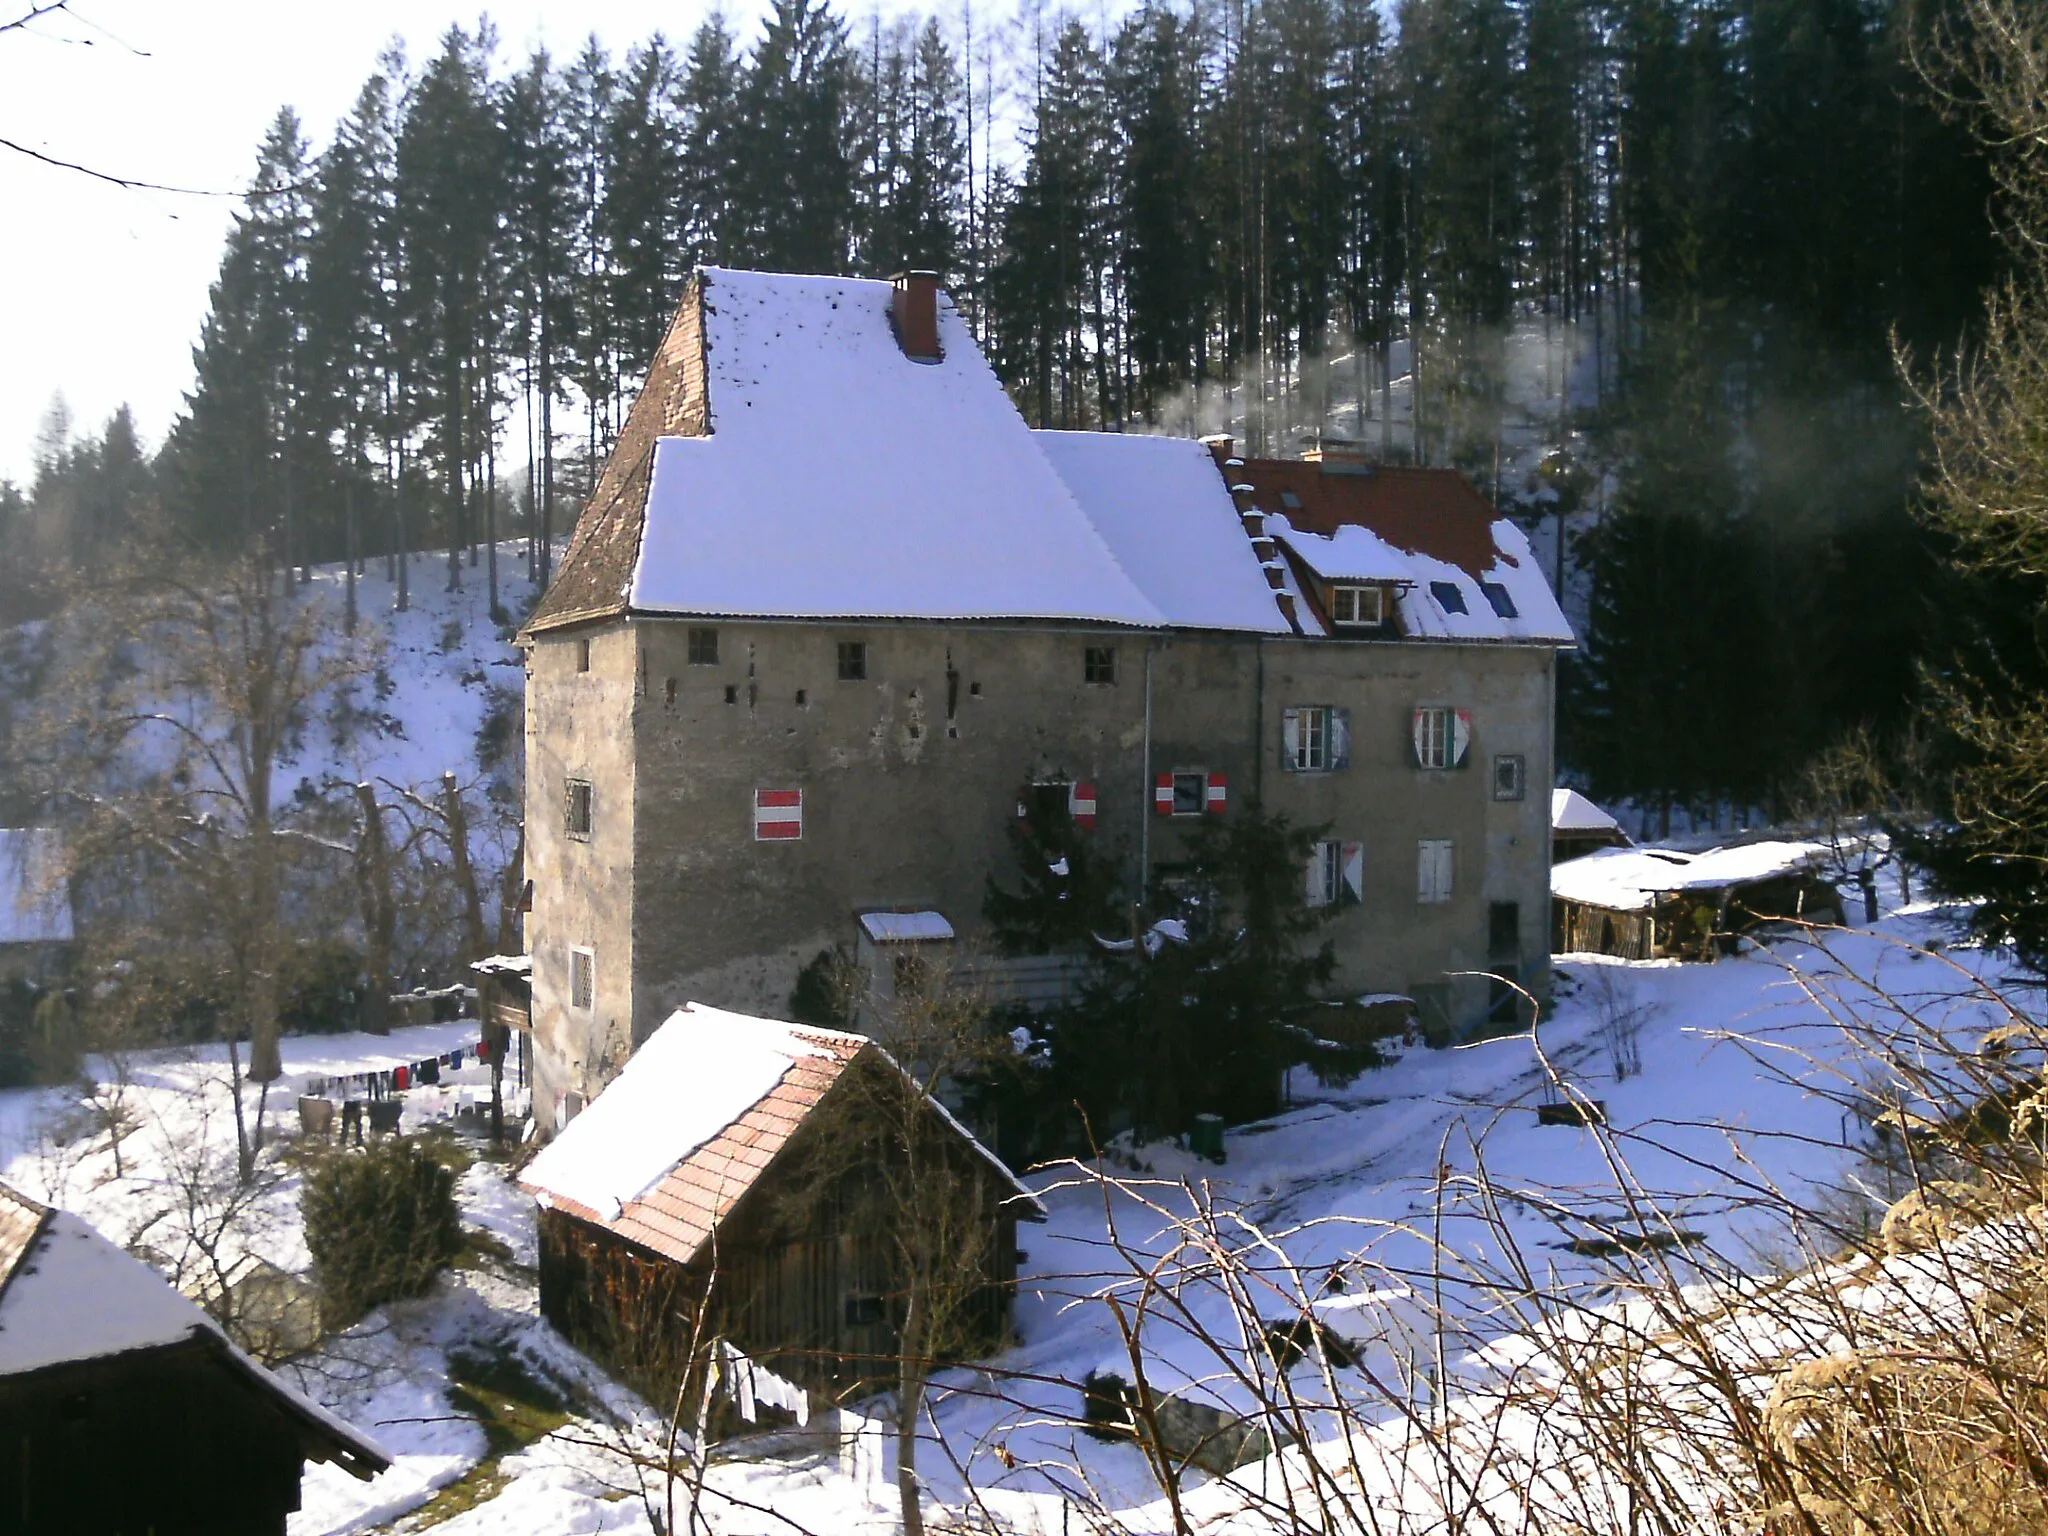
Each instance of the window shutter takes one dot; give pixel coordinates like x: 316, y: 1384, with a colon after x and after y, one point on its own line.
x: 1217, y: 800
x: 1354, y: 871
x: 1162, y: 794
x: 1461, y: 737
x: 1318, y: 893
x: 1340, y: 738
x: 778, y: 815
x: 1290, y: 739
x: 1081, y: 805
x: 1418, y: 737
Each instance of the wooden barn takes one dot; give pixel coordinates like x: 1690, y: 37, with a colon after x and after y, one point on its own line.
x: 743, y: 1179
x: 1579, y: 827
x: 1661, y: 903
x: 123, y: 1407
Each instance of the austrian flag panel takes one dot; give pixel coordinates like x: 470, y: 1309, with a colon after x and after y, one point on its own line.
x: 778, y: 815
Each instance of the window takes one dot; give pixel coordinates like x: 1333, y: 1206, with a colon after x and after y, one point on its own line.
x: 582, y: 655
x: 1510, y: 776
x: 582, y: 979
x: 703, y: 647
x: 1435, y: 734
x: 1358, y: 605
x: 732, y: 693
x: 1098, y: 664
x: 1190, y: 792
x: 853, y: 660
x: 1290, y: 501
x: 1497, y: 595
x: 863, y: 1311
x: 1336, y: 873
x: 1503, y: 930
x: 1315, y: 738
x: 1433, y: 869
x: 1447, y: 596
x: 580, y: 808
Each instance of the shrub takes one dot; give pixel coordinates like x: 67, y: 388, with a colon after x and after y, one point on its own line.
x: 381, y: 1223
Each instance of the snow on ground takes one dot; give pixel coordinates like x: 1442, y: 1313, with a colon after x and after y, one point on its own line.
x: 1715, y: 1079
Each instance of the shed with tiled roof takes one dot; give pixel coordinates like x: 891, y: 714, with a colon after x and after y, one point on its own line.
x: 729, y: 1161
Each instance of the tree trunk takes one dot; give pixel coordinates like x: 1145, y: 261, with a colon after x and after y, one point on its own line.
x: 910, y: 1383
x: 475, y: 941
x: 380, y: 916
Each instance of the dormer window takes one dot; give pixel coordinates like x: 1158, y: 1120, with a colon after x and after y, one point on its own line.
x: 1358, y: 607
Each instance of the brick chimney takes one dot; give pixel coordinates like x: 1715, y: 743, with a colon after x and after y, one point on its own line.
x: 914, y: 310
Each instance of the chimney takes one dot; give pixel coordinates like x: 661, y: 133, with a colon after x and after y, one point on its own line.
x: 1219, y: 445
x: 1339, y: 455
x: 914, y: 310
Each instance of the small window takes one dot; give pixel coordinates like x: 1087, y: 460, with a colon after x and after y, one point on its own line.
x: 1497, y: 595
x: 582, y: 655
x: 1503, y: 930
x: 1510, y: 776
x: 1098, y: 664
x: 1447, y: 596
x: 912, y: 975
x: 582, y: 979
x: 853, y: 661
x: 1290, y: 501
x: 703, y: 647
x: 863, y: 1311
x: 1433, y: 869
x: 1336, y: 873
x: 1314, y: 738
x: 1359, y: 606
x: 732, y: 693
x: 580, y: 808
x: 1190, y: 792
x: 1435, y: 729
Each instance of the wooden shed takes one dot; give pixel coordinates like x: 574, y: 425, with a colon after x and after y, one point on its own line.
x: 1663, y: 903
x: 35, y: 905
x: 123, y: 1407
x: 722, y: 1186
x: 1579, y: 827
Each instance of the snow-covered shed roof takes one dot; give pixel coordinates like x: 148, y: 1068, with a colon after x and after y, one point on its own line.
x: 35, y: 901
x: 68, y: 1295
x: 1167, y: 516
x: 1635, y: 879
x: 906, y: 927
x: 1571, y: 811
x: 698, y: 1114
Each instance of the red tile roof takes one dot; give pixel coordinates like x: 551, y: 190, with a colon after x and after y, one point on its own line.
x: 1433, y: 512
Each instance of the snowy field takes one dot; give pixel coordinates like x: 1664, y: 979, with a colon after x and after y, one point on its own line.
x: 1718, y: 1081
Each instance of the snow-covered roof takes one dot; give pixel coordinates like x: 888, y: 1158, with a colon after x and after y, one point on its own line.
x: 1634, y: 879
x: 906, y: 927
x: 1507, y: 599
x: 1167, y: 516
x: 67, y: 1294
x: 842, y: 479
x: 1571, y: 811
x: 35, y: 901
x: 694, y: 1119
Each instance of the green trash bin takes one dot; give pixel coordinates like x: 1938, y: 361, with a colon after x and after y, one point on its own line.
x: 1206, y: 1139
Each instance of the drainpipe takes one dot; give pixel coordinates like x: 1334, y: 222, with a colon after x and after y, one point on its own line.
x: 1145, y: 794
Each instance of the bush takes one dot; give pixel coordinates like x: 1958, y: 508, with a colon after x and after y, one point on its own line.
x: 381, y: 1223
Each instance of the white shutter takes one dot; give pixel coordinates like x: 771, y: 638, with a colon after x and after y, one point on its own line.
x: 1318, y: 877
x: 1340, y: 738
x: 1461, y: 737
x: 1354, y: 871
x: 1419, y: 733
x: 1290, y: 739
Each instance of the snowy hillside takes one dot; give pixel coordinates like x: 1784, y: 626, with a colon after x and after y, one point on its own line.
x: 1718, y: 1081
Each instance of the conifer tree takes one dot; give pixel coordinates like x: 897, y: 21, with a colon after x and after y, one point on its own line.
x: 793, y: 162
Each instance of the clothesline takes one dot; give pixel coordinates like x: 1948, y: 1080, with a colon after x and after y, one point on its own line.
x: 383, y: 1083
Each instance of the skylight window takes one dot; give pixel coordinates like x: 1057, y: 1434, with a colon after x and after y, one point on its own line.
x: 1290, y: 501
x: 1447, y: 596
x: 1497, y: 595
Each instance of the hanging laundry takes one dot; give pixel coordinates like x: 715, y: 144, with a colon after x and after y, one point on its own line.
x: 455, y: 1060
x: 427, y: 1072
x: 401, y: 1079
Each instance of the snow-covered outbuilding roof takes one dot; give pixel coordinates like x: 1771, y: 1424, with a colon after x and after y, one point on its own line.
x: 1636, y: 879
x: 694, y: 1120
x: 1167, y: 516
x: 68, y: 1295
x: 1571, y: 811
x: 35, y: 901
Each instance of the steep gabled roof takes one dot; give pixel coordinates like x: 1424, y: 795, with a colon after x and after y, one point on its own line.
x: 694, y: 1120
x: 67, y: 1295
x: 788, y: 460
